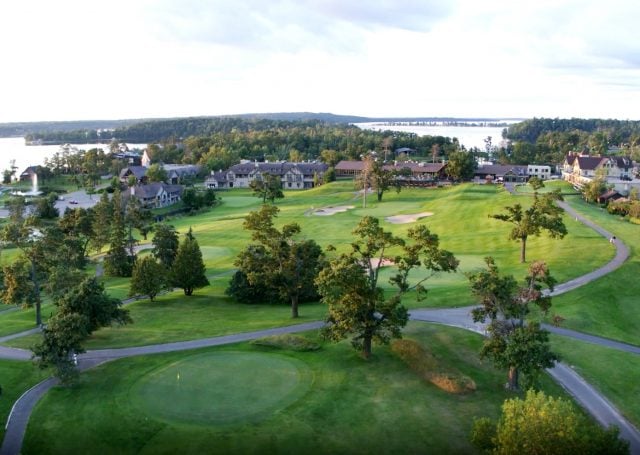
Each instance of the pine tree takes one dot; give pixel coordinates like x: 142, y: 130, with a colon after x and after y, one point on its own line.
x: 117, y: 261
x: 188, y: 270
x: 101, y: 225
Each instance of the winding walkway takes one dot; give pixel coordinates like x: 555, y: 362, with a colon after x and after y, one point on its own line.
x: 598, y: 406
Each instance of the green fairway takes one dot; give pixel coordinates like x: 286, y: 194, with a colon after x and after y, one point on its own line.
x: 460, y: 218
x: 346, y: 405
x: 614, y: 373
x: 15, y: 378
x: 609, y: 306
x: 221, y: 387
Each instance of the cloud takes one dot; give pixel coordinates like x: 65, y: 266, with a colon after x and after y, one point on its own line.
x: 290, y: 25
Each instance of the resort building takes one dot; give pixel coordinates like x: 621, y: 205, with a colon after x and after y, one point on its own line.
x: 294, y: 176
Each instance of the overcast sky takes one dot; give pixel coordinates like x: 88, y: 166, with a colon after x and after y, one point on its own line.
x: 83, y: 59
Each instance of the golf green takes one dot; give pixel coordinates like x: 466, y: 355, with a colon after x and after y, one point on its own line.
x: 221, y: 388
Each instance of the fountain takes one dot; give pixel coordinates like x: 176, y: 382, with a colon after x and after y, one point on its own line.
x: 34, y: 188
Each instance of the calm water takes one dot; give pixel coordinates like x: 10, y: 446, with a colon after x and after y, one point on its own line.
x: 469, y: 136
x: 13, y: 148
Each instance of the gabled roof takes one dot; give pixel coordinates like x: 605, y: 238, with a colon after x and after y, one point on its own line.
x: 138, y: 171
x: 589, y: 163
x: 153, y: 189
x: 278, y: 168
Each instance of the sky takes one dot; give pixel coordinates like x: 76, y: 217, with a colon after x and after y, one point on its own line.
x: 89, y: 59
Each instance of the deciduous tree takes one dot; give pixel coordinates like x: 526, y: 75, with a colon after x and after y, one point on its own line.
x: 543, y: 214
x: 349, y: 284
x: 269, y: 188
x: 541, y: 424
x: 512, y: 344
x: 280, y: 261
x: 461, y: 165
x: 148, y: 278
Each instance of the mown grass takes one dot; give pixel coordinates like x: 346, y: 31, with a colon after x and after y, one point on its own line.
x: 608, y: 306
x: 616, y: 374
x: 460, y: 219
x: 352, y: 406
x: 15, y: 378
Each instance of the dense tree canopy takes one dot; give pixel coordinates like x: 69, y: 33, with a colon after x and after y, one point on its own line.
x: 522, y: 348
x: 540, y: 424
x: 358, y: 306
x: 279, y: 263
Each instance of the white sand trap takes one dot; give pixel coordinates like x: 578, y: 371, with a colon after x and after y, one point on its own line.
x: 326, y: 211
x: 385, y: 262
x: 402, y: 219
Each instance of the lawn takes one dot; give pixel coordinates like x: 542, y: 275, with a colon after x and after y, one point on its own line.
x: 328, y: 401
x: 460, y: 219
x: 15, y: 378
x: 616, y: 374
x: 609, y: 306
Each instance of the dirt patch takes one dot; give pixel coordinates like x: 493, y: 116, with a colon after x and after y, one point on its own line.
x: 402, y: 219
x: 326, y: 211
x: 385, y: 262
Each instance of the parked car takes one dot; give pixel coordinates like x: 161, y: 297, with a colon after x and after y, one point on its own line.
x: 73, y: 201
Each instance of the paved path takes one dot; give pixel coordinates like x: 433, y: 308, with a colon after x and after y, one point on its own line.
x: 602, y: 410
x: 19, y: 416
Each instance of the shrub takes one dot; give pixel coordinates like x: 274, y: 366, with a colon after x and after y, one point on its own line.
x: 287, y: 341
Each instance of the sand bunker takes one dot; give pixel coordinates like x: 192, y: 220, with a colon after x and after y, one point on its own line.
x: 402, y: 219
x: 326, y: 211
x: 385, y: 262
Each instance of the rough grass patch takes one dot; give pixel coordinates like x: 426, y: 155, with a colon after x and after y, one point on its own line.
x: 427, y: 366
x: 288, y: 341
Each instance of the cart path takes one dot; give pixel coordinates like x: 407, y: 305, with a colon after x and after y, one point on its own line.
x: 598, y: 406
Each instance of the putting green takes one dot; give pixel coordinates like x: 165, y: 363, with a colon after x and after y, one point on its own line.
x: 222, y: 387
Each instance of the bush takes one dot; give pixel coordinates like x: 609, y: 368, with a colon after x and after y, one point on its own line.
x: 420, y: 360
x: 483, y: 434
x: 287, y: 341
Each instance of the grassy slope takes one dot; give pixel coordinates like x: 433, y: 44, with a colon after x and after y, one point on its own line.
x: 15, y: 379
x: 614, y: 373
x: 353, y: 406
x: 609, y: 306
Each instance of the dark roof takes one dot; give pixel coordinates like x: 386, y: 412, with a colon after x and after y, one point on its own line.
x: 622, y: 162
x: 589, y: 162
x: 138, y: 171
x: 570, y: 158
x: 611, y: 194
x: 278, y: 168
x: 150, y: 190
x: 348, y: 165
x: 404, y: 150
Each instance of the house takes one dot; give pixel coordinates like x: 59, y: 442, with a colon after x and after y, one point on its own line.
x: 177, y: 173
x: 138, y: 171
x: 617, y: 171
x: 608, y: 196
x: 155, y: 195
x: 540, y: 171
x: 131, y: 158
x: 416, y: 172
x: 29, y: 173
x: 502, y: 173
x: 294, y: 176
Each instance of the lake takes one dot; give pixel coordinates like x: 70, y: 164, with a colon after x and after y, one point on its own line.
x: 469, y: 136
x: 14, y: 148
